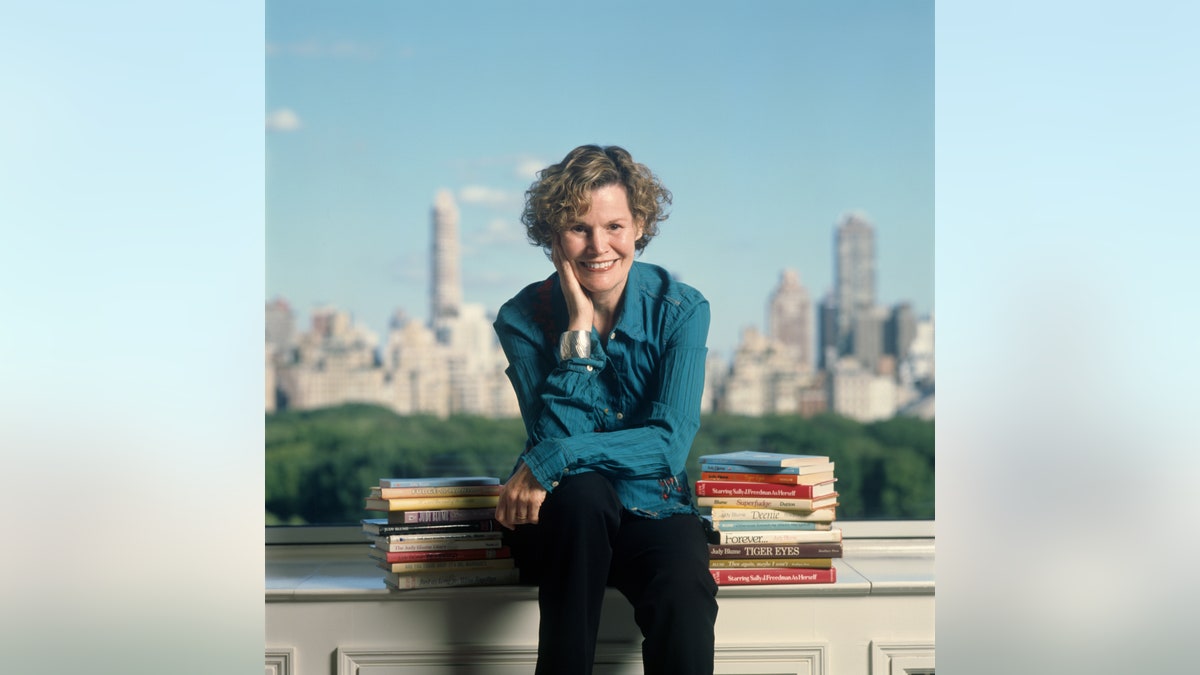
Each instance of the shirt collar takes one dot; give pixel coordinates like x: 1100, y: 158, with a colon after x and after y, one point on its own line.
x: 632, y: 310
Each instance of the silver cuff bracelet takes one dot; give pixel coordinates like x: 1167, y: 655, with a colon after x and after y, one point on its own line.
x: 575, y: 343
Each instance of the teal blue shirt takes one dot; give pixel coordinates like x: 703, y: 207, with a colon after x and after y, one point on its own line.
x: 632, y: 408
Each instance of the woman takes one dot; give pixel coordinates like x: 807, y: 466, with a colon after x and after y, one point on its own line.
x: 607, y: 360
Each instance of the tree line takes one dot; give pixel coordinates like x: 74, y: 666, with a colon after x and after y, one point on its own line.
x: 321, y: 463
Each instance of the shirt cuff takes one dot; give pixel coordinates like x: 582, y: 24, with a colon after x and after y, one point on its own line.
x: 548, y: 462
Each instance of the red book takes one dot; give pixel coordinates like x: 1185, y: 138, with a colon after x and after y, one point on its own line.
x: 421, y: 556
x: 779, y: 478
x: 773, y: 575
x: 720, y: 488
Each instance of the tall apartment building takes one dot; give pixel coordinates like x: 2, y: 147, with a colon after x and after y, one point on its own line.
x: 854, y: 274
x: 790, y: 319
x: 445, y: 283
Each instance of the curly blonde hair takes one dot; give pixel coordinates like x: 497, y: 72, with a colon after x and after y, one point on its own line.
x: 562, y: 193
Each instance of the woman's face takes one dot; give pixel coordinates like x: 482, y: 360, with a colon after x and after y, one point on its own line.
x: 600, y: 246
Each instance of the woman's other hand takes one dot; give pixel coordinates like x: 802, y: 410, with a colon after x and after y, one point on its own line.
x: 520, y: 499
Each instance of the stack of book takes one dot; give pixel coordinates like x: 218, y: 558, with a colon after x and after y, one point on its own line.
x: 772, y: 517
x: 438, y: 532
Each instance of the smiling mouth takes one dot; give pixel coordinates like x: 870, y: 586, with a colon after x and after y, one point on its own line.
x: 597, y: 266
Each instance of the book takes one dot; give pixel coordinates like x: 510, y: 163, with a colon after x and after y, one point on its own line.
x: 814, y: 549
x: 427, y: 555
x: 720, y: 513
x: 439, y: 515
x: 739, y: 525
x: 437, y: 482
x: 446, y: 565
x: 780, y: 503
x: 756, y: 458
x: 748, y: 563
x: 395, y: 547
x: 450, y: 578
x: 430, y: 503
x: 773, y: 575
x: 775, y: 478
x: 805, y: 470
x: 709, y: 488
x: 778, y: 536
x: 433, y: 491
x: 380, y: 527
x: 384, y: 540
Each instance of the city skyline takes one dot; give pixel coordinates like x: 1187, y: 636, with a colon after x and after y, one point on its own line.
x: 768, y: 123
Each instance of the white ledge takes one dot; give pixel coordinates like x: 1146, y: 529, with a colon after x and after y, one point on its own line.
x: 339, y: 572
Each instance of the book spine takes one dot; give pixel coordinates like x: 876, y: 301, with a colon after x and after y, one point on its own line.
x: 772, y: 478
x: 824, y: 515
x: 379, y: 527
x: 705, y: 488
x: 432, y: 503
x: 803, y: 470
x: 438, y: 482
x: 446, y: 565
x: 806, y: 550
x: 438, y: 536
x: 747, y: 468
x: 773, y: 575
x: 779, y: 537
x: 429, y: 556
x: 447, y: 579
x: 782, y: 503
x: 440, y: 515
x: 397, y: 546
x: 742, y: 525
x: 443, y: 491
x: 749, y: 563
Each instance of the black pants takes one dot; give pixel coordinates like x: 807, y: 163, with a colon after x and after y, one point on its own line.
x: 585, y: 541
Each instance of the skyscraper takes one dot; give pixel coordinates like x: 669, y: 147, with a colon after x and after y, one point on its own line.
x: 854, y: 267
x: 789, y: 319
x: 446, y: 282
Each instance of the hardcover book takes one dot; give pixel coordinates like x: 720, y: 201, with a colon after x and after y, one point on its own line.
x: 738, y: 525
x: 443, y: 491
x: 426, y: 555
x: 803, y: 550
x: 779, y: 478
x: 778, y: 536
x: 769, y: 459
x: 807, y: 469
x: 431, y: 503
x: 398, y: 546
x: 447, y: 565
x: 437, y: 482
x: 437, y: 536
x: 773, y: 575
x: 709, y: 488
x: 451, y: 578
x: 380, y: 527
x: 406, y: 516
x: 720, y: 513
x: 748, y: 563
x: 781, y: 503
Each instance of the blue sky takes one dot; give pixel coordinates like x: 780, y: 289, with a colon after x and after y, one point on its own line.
x: 768, y: 121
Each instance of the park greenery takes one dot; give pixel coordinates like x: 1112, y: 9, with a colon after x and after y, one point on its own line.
x: 321, y: 463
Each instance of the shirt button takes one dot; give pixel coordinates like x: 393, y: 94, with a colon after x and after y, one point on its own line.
x: 612, y: 335
x: 620, y: 416
x: 589, y: 367
x: 554, y: 484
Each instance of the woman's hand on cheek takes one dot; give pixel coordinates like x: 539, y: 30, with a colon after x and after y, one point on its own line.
x: 579, y: 305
